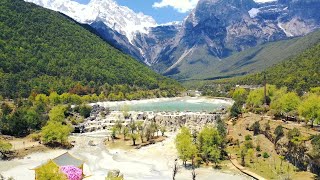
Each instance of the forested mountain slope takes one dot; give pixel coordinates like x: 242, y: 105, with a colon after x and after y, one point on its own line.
x: 298, y: 73
x: 42, y: 51
x: 252, y: 60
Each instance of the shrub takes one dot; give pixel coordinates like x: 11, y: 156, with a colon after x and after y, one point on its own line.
x: 256, y: 128
x: 278, y: 132
x: 236, y: 109
x: 293, y: 133
x: 35, y: 136
x: 267, y: 125
x: 85, y: 110
x: 258, y: 148
x: 248, y: 137
x: 5, y: 148
x: 265, y: 155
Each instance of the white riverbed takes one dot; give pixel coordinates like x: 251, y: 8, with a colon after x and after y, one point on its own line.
x: 153, y: 162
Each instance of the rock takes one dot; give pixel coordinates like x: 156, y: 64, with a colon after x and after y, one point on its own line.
x: 115, y: 174
x: 91, y: 143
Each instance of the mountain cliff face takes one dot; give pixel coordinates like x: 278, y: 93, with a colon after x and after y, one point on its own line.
x: 216, y: 29
x: 212, y: 32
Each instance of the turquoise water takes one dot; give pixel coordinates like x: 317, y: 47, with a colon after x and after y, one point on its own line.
x: 182, y: 104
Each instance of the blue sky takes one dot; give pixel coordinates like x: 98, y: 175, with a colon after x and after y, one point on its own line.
x: 162, y: 11
x: 165, y: 12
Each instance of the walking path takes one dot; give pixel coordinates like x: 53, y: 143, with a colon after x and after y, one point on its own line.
x: 19, y: 144
x: 235, y: 162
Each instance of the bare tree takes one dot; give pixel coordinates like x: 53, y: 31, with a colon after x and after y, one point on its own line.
x: 194, y: 175
x: 175, y: 169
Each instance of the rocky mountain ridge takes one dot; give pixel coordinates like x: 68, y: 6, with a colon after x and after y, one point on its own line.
x: 213, y: 31
x: 119, y: 18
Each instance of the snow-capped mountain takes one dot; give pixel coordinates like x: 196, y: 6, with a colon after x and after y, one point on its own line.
x: 216, y: 29
x: 212, y: 32
x: 119, y: 18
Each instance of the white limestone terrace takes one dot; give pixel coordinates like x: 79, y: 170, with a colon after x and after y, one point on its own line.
x: 171, y: 120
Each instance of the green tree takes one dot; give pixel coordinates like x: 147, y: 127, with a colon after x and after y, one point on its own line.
x: 132, y: 126
x: 250, y: 154
x: 55, y: 133
x: 256, y: 128
x: 118, y: 126
x: 125, y: 111
x: 236, y: 110
x: 6, y: 108
x: 54, y: 98
x: 186, y: 149
x: 285, y: 103
x: 57, y: 113
x: 149, y: 132
x: 255, y: 98
x: 209, y: 140
x: 33, y: 118
x: 75, y: 99
x: 125, y: 132
x: 215, y: 155
x: 310, y: 108
x: 240, y: 95
x: 221, y: 127
x: 42, y: 98
x: 134, y: 136
x: 243, y: 154
x: 163, y: 130
x: 315, y: 90
x: 141, y: 129
x: 114, y: 131
x: 65, y: 98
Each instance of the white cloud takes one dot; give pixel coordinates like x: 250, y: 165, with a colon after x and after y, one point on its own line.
x: 182, y: 6
x: 263, y: 1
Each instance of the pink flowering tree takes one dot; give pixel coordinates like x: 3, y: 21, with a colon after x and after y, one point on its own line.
x: 72, y: 172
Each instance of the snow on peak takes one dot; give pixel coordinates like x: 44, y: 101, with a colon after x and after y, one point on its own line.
x: 253, y: 12
x: 173, y: 23
x: 264, y: 1
x: 119, y: 18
